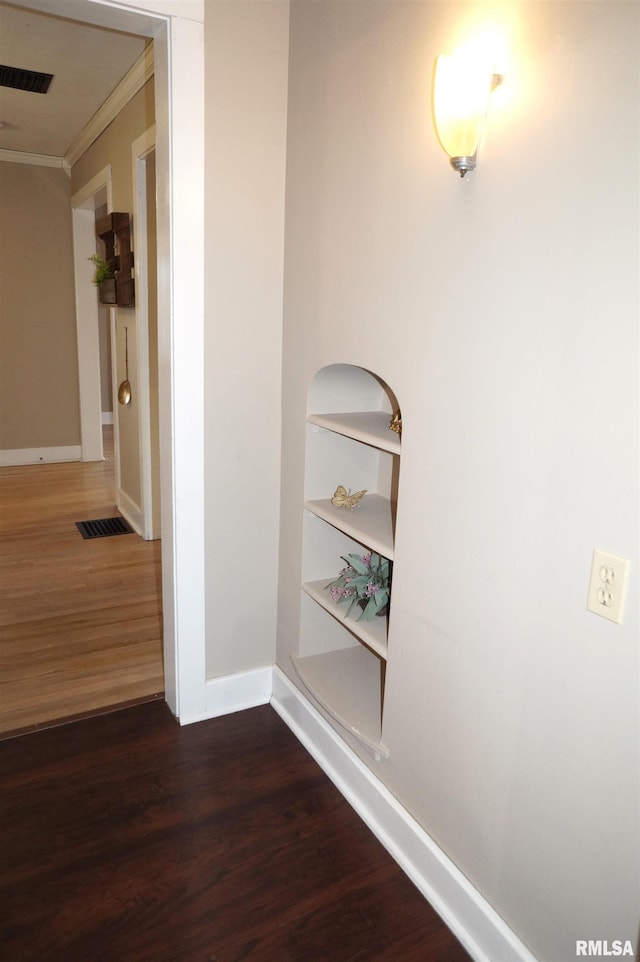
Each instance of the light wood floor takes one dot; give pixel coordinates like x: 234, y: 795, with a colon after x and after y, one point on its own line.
x: 80, y: 621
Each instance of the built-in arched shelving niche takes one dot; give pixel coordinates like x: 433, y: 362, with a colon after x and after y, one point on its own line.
x: 353, y: 441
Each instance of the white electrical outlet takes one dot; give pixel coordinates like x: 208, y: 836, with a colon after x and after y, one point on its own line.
x: 608, y: 585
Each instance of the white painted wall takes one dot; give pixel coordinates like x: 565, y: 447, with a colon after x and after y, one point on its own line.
x: 246, y: 102
x: 503, y: 311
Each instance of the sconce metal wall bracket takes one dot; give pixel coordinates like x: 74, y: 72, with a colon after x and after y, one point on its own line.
x: 463, y: 164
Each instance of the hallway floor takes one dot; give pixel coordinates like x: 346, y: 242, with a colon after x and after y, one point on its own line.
x: 80, y: 621
x: 129, y: 838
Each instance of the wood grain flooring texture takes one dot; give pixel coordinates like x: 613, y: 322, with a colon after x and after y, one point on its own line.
x: 80, y: 621
x: 126, y: 838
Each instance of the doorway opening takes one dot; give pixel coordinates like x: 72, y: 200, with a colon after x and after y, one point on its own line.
x: 177, y: 30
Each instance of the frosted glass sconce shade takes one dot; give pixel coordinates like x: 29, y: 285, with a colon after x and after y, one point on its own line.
x: 461, y: 92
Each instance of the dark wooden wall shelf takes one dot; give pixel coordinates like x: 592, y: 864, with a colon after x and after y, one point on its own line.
x: 114, y: 230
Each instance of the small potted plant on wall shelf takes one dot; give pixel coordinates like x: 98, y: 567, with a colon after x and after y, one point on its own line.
x: 105, y: 279
x: 366, y: 582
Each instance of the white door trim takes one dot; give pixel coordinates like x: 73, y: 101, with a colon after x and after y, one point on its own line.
x: 177, y: 28
x: 139, y: 151
x: 83, y: 206
x: 113, y: 344
x: 179, y: 87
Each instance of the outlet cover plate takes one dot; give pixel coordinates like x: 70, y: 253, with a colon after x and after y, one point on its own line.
x: 608, y: 585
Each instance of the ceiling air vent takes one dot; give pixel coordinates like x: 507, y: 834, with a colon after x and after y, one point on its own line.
x: 32, y: 80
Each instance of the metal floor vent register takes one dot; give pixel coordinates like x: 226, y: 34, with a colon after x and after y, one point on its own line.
x: 103, y: 528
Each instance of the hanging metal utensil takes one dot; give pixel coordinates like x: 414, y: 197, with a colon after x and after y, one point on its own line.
x: 124, y: 391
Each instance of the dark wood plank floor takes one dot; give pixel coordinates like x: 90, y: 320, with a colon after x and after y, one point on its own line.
x: 126, y: 838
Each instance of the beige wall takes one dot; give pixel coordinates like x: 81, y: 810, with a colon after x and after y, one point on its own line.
x: 113, y: 148
x: 39, y: 402
x: 106, y: 389
x: 245, y: 128
x: 503, y: 311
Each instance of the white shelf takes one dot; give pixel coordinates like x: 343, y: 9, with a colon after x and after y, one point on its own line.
x: 345, y: 658
x: 371, y: 522
x: 372, y: 633
x: 348, y: 685
x: 370, y: 427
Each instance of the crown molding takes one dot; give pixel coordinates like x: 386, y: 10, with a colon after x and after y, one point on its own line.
x: 128, y: 87
x: 36, y: 160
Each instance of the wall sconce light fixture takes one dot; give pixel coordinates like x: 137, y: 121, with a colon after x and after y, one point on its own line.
x: 462, y: 88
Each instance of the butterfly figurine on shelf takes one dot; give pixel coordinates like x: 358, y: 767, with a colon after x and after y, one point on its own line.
x: 344, y: 499
x: 395, y: 424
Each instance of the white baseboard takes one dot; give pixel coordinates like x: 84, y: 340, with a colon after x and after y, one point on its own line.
x: 231, y: 693
x: 483, y: 933
x: 40, y: 455
x: 130, y: 510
